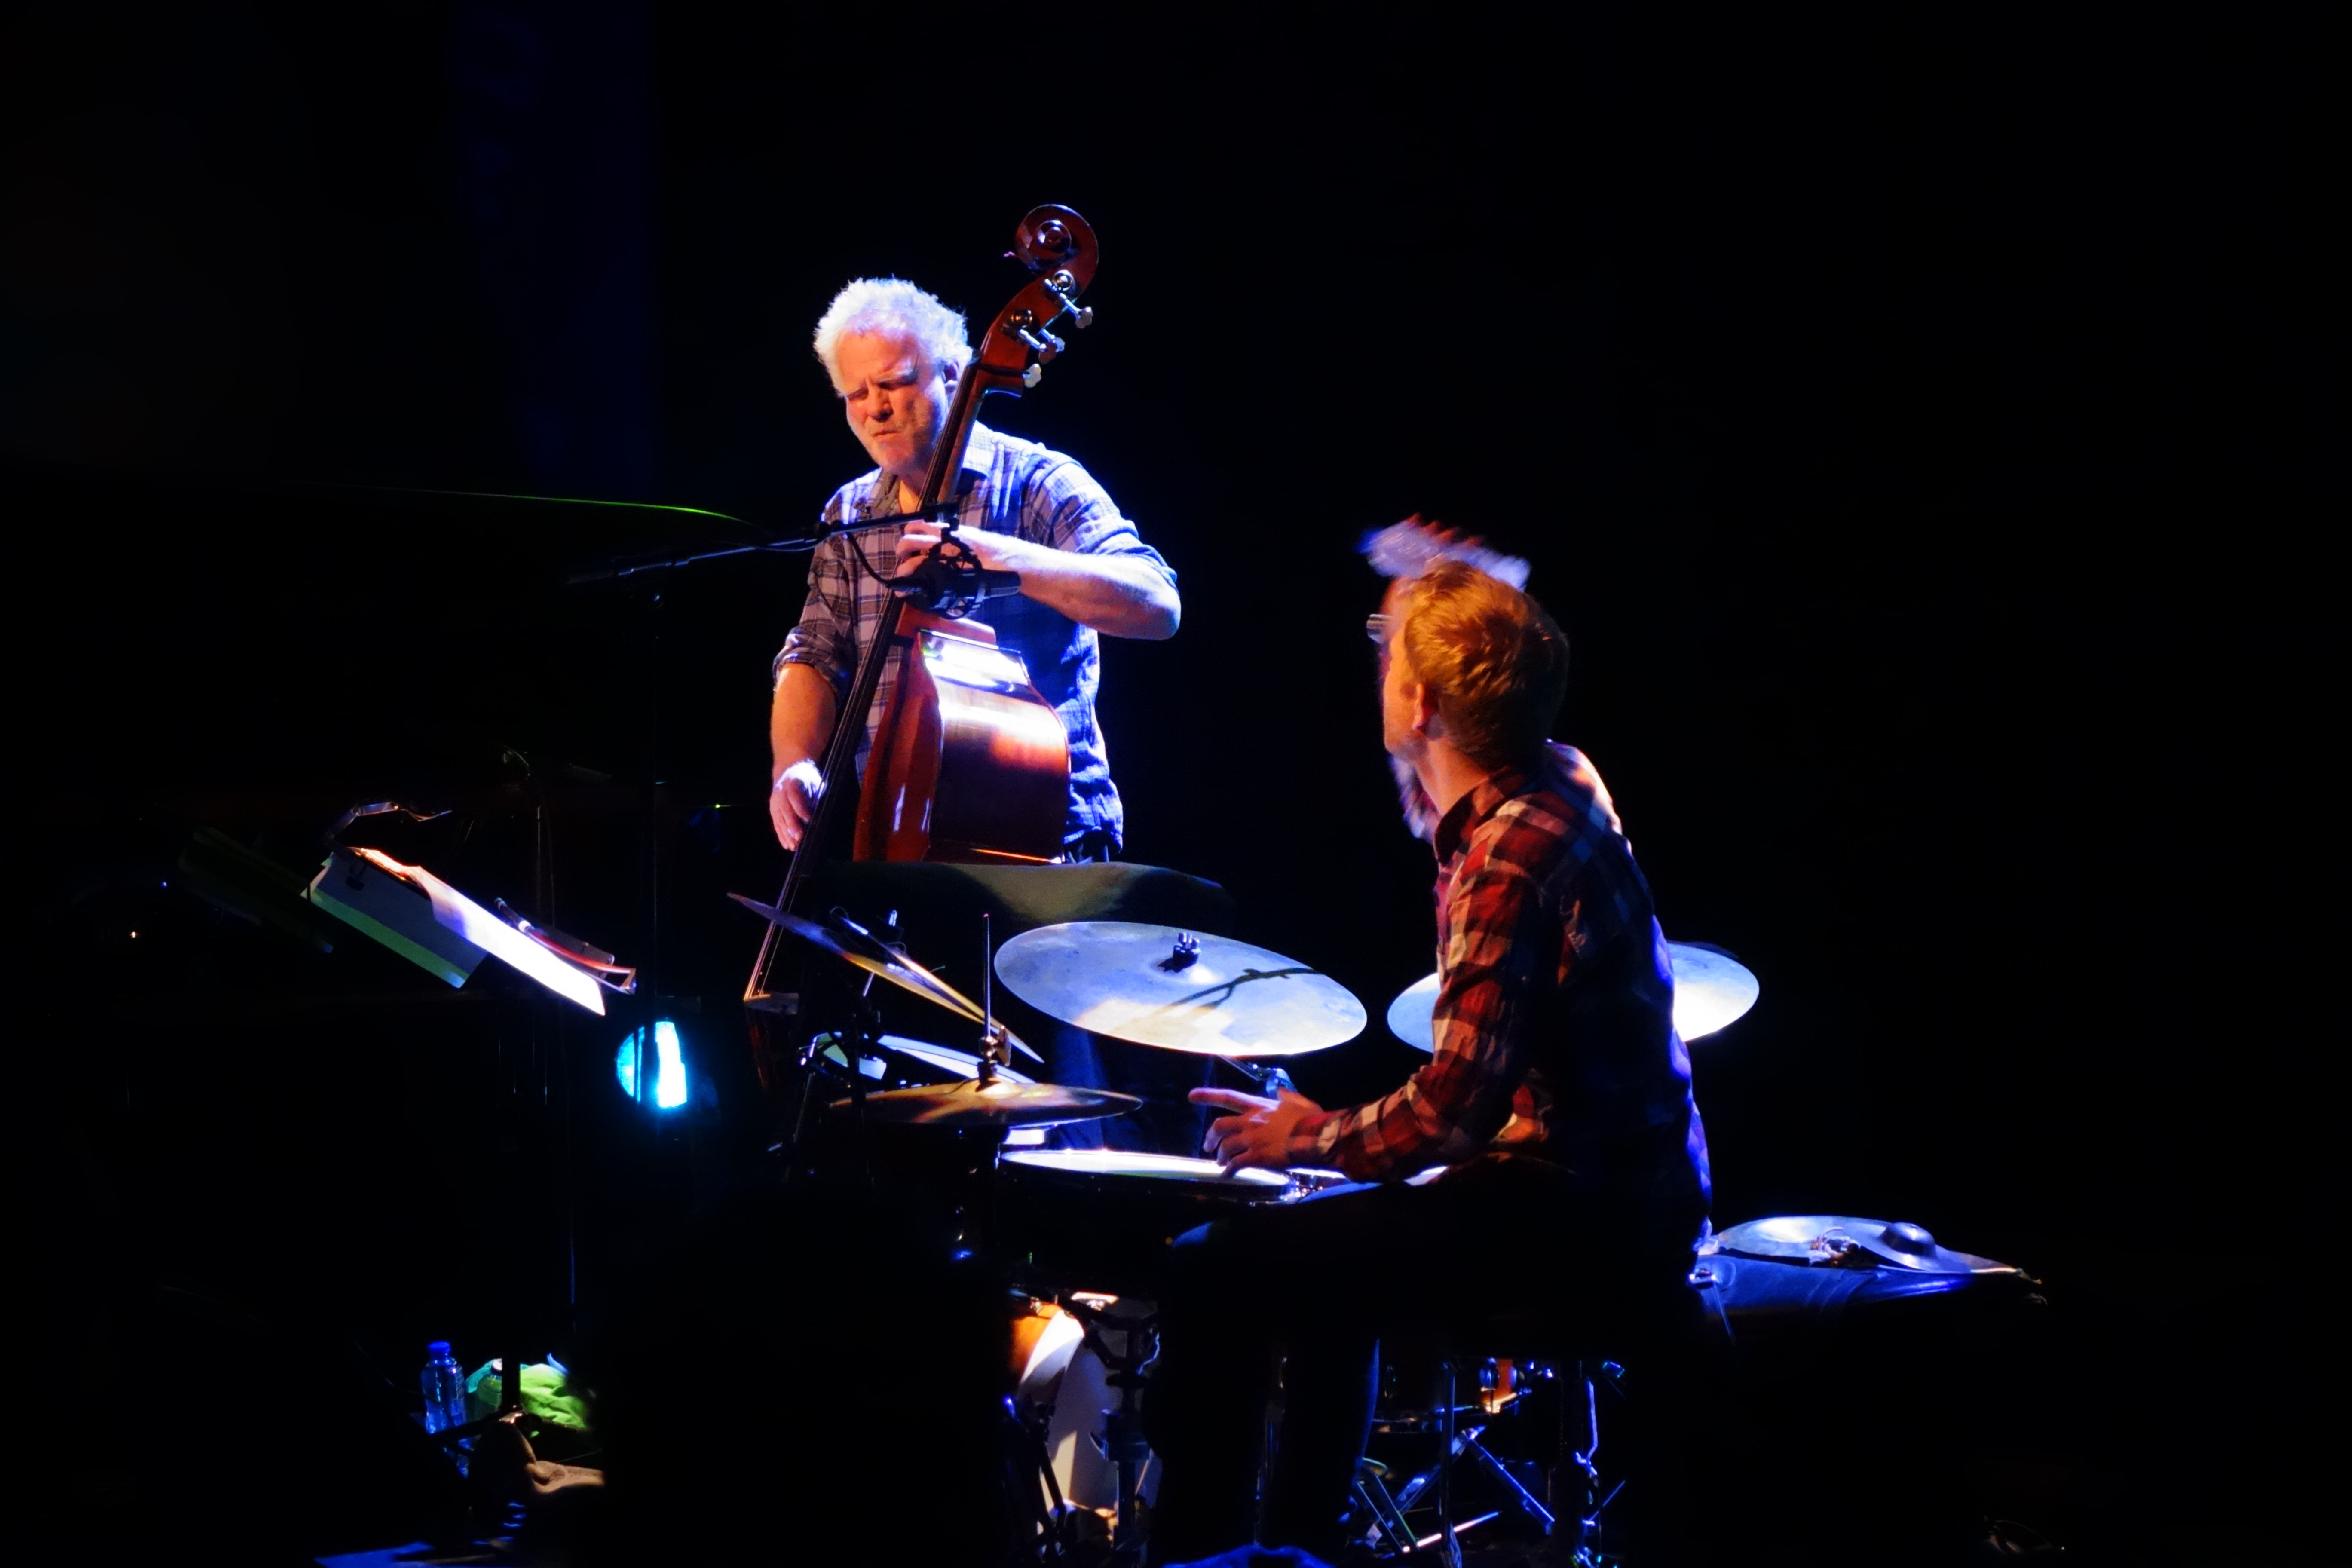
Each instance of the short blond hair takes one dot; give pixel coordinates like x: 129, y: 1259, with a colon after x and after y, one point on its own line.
x: 1494, y: 662
x: 891, y: 306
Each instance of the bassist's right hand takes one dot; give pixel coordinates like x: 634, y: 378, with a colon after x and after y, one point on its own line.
x: 791, y: 801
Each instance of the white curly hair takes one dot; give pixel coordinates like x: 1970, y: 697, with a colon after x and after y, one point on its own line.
x: 891, y: 305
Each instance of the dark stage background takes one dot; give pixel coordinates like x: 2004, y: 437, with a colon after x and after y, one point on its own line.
x: 1922, y: 426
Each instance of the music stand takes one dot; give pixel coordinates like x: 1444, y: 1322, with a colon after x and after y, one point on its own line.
x: 440, y: 930
x: 449, y: 934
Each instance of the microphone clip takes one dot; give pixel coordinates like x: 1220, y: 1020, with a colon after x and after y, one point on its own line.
x: 951, y: 581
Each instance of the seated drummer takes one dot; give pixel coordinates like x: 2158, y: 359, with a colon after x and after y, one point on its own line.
x: 1557, y: 1110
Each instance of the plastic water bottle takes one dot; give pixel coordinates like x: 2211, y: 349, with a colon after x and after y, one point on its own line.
x: 445, y: 1388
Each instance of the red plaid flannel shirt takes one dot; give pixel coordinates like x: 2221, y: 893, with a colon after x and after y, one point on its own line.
x: 1555, y: 1007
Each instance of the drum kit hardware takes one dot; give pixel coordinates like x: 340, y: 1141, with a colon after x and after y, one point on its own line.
x: 1073, y: 1225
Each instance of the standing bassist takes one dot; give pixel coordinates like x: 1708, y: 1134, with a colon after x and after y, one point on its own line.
x: 894, y: 353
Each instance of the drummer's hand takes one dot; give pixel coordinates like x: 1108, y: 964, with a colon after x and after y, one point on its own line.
x: 1259, y: 1133
x: 793, y: 801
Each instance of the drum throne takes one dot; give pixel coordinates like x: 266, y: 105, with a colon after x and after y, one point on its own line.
x: 1545, y: 1384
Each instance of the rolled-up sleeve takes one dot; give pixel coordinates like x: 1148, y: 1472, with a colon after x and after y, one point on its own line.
x: 1065, y: 509
x: 1455, y: 1105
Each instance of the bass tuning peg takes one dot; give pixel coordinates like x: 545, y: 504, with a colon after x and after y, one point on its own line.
x: 1065, y: 289
x: 1044, y: 345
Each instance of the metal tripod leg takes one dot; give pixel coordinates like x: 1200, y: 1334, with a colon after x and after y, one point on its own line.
x: 1588, y: 1473
x: 1122, y: 1441
x: 1449, y: 1545
x: 1456, y: 1444
x: 1389, y: 1529
x: 1501, y: 1472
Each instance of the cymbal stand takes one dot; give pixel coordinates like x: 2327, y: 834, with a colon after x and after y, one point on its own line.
x: 993, y: 1054
x: 1271, y: 1079
x: 1051, y: 1513
x: 1121, y: 1441
x: 855, y: 1042
x: 975, y: 1207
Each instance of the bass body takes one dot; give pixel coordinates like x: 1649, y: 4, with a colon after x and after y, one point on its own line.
x: 969, y: 762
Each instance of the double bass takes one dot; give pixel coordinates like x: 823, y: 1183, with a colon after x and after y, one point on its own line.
x: 968, y: 764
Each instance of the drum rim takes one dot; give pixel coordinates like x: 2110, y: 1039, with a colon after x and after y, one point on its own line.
x: 1181, y: 1169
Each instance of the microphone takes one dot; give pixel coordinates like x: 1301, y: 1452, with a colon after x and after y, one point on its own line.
x: 950, y: 585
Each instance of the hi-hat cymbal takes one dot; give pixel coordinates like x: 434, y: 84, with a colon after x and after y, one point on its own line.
x: 1160, y: 986
x: 949, y: 1063
x: 1711, y: 989
x: 998, y: 1102
x: 882, y: 963
x: 915, y: 1061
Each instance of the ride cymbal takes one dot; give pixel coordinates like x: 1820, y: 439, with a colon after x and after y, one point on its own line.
x: 1157, y: 985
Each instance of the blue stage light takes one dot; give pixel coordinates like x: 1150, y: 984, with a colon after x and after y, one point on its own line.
x: 669, y: 1064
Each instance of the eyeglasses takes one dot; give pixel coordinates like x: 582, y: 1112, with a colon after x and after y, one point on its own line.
x: 1377, y: 628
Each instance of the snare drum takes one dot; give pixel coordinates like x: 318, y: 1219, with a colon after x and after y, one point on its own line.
x: 1101, y: 1219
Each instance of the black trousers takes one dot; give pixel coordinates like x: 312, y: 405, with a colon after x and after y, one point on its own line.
x: 1318, y: 1282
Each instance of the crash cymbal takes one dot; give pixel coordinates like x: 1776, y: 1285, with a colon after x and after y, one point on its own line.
x: 1711, y: 989
x: 999, y: 1103
x: 1160, y: 986
x: 1410, y: 1017
x: 881, y: 962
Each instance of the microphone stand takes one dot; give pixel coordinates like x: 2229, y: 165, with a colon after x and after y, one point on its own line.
x: 633, y: 566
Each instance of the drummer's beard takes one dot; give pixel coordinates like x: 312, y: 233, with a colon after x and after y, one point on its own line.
x: 1420, y: 811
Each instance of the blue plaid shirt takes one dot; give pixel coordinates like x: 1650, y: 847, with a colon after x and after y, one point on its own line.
x: 1011, y: 487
